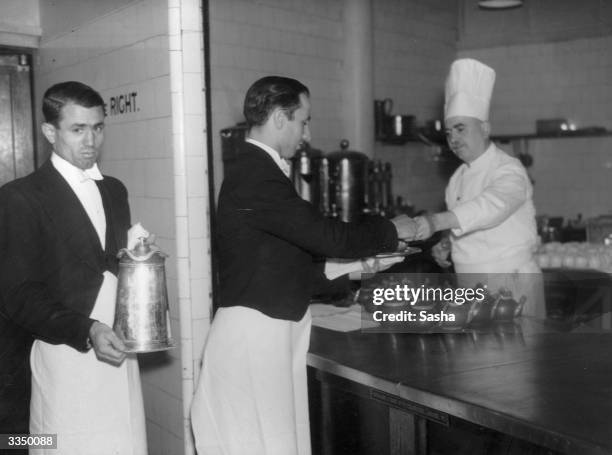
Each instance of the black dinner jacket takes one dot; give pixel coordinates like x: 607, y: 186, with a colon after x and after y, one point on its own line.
x: 269, y: 239
x: 51, y: 266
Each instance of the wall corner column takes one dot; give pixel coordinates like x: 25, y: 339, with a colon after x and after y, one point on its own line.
x: 358, y: 71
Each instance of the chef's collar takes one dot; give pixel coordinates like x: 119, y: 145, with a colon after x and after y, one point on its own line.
x: 280, y: 162
x: 72, y: 173
x: 483, y: 160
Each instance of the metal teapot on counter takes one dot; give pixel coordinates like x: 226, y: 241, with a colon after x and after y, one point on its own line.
x: 506, y: 308
x: 142, y: 317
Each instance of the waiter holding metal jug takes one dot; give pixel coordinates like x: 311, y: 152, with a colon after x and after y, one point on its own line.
x: 60, y: 230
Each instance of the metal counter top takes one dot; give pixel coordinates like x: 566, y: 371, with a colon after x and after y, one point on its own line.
x: 526, y: 380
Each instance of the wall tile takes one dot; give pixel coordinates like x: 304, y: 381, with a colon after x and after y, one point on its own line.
x: 197, y: 224
x: 191, y: 16
x: 192, y: 55
x: 200, y: 259
x: 197, y: 186
x: 159, y: 179
x: 200, y: 330
x: 200, y: 296
x: 195, y: 138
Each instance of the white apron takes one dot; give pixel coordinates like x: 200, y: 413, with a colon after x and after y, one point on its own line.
x: 252, y: 397
x: 94, y: 408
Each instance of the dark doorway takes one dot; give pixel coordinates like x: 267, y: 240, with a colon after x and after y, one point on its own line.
x: 17, y: 156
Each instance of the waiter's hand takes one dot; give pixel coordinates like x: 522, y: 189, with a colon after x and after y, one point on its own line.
x: 440, y: 252
x: 135, y: 233
x: 107, y: 345
x: 425, y: 227
x: 406, y: 227
x: 375, y: 265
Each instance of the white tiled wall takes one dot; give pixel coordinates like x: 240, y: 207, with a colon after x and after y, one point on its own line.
x: 414, y: 41
x: 252, y: 39
x: 414, y: 46
x: 563, y: 71
x: 566, y: 79
x: 19, y: 23
x: 537, y: 21
x: 420, y: 174
x: 572, y: 176
x: 153, y: 48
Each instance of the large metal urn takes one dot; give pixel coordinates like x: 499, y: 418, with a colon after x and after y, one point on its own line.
x: 310, y: 177
x: 348, y: 180
x: 142, y: 317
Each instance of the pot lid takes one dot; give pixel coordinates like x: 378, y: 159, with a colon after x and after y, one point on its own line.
x: 344, y: 152
x: 306, y: 149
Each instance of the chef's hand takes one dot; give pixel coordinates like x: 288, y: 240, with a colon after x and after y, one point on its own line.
x: 406, y: 227
x: 441, y: 251
x: 425, y: 227
x: 107, y: 345
x: 135, y: 233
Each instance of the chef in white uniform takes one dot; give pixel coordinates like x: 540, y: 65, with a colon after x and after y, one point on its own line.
x: 491, y: 216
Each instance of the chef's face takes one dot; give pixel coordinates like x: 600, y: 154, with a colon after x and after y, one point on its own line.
x: 79, y: 134
x: 467, y: 137
x: 295, y: 130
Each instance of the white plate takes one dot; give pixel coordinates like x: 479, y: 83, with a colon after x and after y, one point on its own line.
x: 405, y: 252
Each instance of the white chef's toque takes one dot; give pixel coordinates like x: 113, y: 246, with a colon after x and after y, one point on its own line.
x: 469, y: 87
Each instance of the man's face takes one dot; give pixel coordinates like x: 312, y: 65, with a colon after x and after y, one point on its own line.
x: 467, y: 137
x: 296, y: 130
x: 79, y: 134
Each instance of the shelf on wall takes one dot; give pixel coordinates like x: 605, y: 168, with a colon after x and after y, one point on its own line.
x: 594, y: 132
x: 440, y: 139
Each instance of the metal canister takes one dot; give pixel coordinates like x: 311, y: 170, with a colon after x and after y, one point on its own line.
x: 306, y: 175
x: 324, y: 204
x: 142, y: 318
x: 348, y: 171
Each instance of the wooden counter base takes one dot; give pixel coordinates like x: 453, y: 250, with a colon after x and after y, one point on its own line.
x: 528, y: 381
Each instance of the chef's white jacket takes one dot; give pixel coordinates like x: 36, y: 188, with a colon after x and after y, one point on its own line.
x: 492, y: 199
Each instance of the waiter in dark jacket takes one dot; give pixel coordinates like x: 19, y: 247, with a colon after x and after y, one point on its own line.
x: 251, y: 396
x: 60, y: 230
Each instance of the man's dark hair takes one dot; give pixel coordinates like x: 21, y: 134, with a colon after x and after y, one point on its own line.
x: 271, y: 92
x: 58, y: 95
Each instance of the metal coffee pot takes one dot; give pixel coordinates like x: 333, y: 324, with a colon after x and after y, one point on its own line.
x: 506, y: 308
x: 142, y: 317
x: 347, y: 182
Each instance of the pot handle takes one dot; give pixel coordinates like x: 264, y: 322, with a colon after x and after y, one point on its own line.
x: 520, y: 306
x: 387, y: 106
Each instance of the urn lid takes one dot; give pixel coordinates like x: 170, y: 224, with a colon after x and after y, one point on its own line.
x: 345, y: 154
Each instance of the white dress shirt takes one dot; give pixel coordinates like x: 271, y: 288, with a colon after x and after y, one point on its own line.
x: 83, y: 184
x: 280, y: 162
